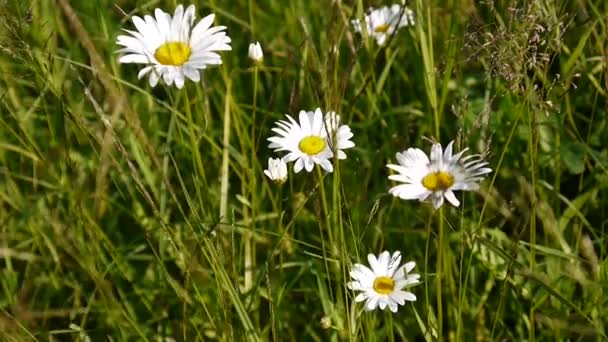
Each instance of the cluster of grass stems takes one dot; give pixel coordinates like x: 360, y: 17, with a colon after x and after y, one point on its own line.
x: 137, y: 213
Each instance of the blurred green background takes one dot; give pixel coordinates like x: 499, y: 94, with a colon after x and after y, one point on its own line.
x: 132, y: 213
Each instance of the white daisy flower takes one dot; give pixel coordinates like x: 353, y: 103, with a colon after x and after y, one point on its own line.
x: 313, y: 140
x: 383, y: 22
x: 255, y: 52
x: 383, y: 284
x: 277, y: 170
x: 173, y: 48
x: 438, y: 177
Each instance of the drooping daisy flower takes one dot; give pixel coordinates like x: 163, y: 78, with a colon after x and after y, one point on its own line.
x: 381, y: 23
x: 312, y: 140
x: 383, y: 285
x: 173, y: 48
x: 255, y: 52
x: 438, y: 177
x: 277, y: 170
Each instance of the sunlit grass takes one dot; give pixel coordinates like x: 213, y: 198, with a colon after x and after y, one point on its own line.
x: 137, y: 213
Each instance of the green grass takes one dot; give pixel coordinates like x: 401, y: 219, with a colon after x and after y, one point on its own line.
x: 132, y: 213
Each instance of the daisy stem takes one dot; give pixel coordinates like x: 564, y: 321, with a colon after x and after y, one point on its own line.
x: 329, y: 233
x: 249, y: 245
x: 337, y: 224
x: 440, y: 264
x: 391, y: 331
x: 255, y: 98
x: 429, y: 227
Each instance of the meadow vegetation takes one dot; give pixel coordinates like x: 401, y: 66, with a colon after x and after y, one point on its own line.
x: 133, y: 213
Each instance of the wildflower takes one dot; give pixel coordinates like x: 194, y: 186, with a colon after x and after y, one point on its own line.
x: 383, y: 22
x: 277, y: 170
x: 439, y: 177
x: 173, y: 48
x: 325, y: 322
x: 255, y: 52
x: 383, y: 284
x: 311, y: 141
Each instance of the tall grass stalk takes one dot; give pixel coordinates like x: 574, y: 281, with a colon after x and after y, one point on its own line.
x: 131, y: 212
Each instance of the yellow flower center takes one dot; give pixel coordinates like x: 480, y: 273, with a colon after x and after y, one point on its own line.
x: 438, y: 181
x: 173, y: 53
x: 381, y: 28
x: 384, y: 285
x: 312, y: 145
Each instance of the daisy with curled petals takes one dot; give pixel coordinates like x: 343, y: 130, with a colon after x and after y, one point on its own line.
x: 438, y: 177
x: 383, y: 22
x: 311, y: 140
x: 383, y: 285
x: 173, y: 48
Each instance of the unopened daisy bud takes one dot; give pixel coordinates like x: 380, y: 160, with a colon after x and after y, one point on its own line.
x: 326, y: 322
x: 255, y: 52
x: 277, y: 170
